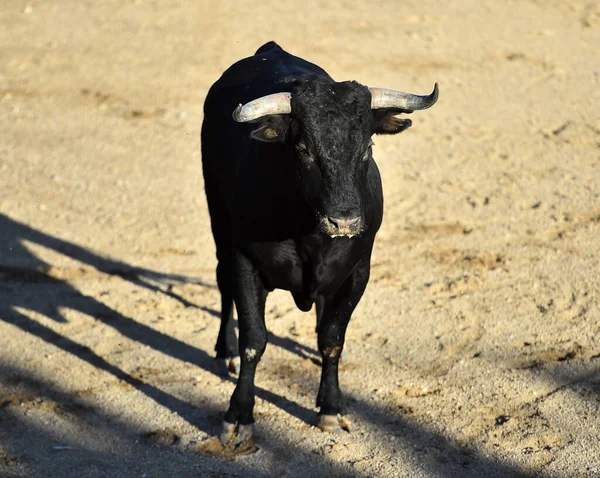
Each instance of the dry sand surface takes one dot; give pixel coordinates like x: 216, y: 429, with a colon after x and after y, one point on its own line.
x: 476, y: 348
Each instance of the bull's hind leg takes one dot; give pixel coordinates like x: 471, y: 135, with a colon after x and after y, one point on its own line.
x: 336, y: 314
x: 250, y: 296
x: 226, y: 348
x: 228, y: 359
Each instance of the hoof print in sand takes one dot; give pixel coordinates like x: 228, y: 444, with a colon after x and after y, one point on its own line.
x: 233, y: 441
x: 162, y: 438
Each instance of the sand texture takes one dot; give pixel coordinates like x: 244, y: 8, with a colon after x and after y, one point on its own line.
x: 475, y: 351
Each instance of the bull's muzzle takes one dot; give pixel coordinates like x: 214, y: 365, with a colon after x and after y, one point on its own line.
x: 341, y: 226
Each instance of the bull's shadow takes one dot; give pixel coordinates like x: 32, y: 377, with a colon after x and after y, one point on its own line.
x: 17, y: 262
x: 27, y: 284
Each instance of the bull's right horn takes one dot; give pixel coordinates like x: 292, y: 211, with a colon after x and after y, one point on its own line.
x: 275, y: 104
x: 384, y: 98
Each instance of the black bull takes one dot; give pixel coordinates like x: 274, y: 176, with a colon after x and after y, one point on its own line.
x: 295, y: 201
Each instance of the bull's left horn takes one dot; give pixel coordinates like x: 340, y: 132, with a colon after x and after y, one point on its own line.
x: 384, y: 98
x: 275, y: 104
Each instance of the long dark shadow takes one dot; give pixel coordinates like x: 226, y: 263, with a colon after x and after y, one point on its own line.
x: 185, y: 410
x: 442, y: 456
x: 31, y: 443
x: 30, y: 271
x: 31, y: 276
x: 13, y: 232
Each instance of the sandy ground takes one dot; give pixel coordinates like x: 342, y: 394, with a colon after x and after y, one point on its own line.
x: 476, y: 348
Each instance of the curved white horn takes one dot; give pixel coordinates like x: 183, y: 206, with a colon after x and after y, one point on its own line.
x: 384, y: 98
x: 275, y: 104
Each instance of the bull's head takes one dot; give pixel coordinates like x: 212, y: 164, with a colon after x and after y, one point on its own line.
x: 329, y: 126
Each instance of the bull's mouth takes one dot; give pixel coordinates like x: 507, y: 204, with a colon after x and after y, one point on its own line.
x: 333, y: 236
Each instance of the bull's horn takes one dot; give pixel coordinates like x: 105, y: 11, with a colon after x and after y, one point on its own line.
x: 383, y: 98
x: 275, y: 104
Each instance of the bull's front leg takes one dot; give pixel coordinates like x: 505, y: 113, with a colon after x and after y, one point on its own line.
x: 250, y: 296
x: 332, y: 325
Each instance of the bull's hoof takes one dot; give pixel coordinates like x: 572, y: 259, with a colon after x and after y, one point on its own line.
x: 225, y: 366
x: 334, y: 423
x: 234, y: 365
x: 236, y: 435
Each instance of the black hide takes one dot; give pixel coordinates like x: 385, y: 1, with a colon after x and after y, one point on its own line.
x: 278, y: 189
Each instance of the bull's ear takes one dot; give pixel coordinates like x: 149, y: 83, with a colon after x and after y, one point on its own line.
x: 387, y: 122
x: 271, y: 129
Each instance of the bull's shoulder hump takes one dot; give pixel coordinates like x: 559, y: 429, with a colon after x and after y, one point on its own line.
x: 270, y: 65
x: 269, y: 46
